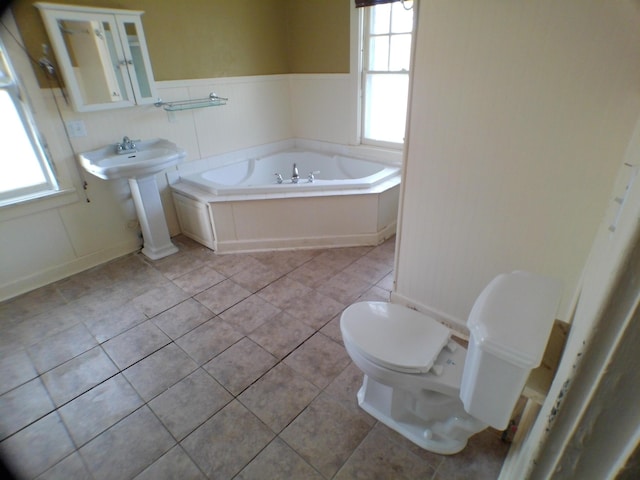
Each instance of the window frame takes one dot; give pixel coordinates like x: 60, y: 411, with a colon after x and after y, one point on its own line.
x: 364, y: 43
x: 17, y: 94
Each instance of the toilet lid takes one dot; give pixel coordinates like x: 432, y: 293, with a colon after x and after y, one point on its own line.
x: 393, y: 336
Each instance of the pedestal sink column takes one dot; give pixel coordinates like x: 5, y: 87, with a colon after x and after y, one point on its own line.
x: 155, y: 233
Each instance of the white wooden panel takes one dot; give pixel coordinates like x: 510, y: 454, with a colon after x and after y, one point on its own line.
x: 194, y: 220
x: 521, y: 112
x: 321, y: 107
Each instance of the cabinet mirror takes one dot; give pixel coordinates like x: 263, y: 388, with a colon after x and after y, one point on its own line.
x: 102, y: 54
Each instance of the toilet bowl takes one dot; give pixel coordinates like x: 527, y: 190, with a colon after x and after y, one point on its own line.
x: 435, y: 392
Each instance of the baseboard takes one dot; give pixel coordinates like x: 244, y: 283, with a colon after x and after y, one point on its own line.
x: 266, y: 244
x: 53, y: 274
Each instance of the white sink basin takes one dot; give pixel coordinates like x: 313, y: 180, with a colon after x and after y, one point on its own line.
x: 151, y: 157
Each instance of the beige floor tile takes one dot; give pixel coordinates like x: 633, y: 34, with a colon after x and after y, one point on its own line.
x: 182, y: 318
x: 314, y: 309
x: 281, y: 292
x: 128, y: 447
x: 71, y: 467
x: 340, y: 258
x: 189, y: 403
x: 173, y: 465
x: 222, y: 296
x: 240, y: 365
x: 379, y: 457
x: 16, y: 368
x: 61, y: 347
x: 159, y: 371
x: 281, y: 335
x: 46, y: 324
x: 38, y: 447
x: 481, y: 458
x: 255, y: 277
x: 23, y: 405
x: 74, y: 287
x: 284, y: 261
x: 279, y: 396
x: 374, y: 294
x: 332, y: 330
x: 32, y: 303
x: 321, y: 434
x: 384, y: 253
x: 279, y: 461
x: 325, y: 434
x: 98, y: 409
x: 249, y: 314
x: 313, y: 273
x: 199, y: 280
x: 176, y: 265
x: 112, y: 321
x: 135, y: 344
x: 347, y: 383
x: 386, y: 282
x: 319, y: 360
x: 208, y: 340
x: 344, y: 288
x: 229, y: 265
x: 229, y: 440
x: 433, y: 459
x: 159, y: 299
x: 369, y: 269
x: 78, y: 375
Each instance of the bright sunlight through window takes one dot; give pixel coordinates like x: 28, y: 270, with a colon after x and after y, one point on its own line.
x: 387, y: 47
x: 25, y: 171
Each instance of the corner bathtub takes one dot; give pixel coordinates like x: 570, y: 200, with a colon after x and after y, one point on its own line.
x: 241, y: 207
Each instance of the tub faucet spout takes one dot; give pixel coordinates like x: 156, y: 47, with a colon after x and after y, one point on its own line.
x: 295, y: 176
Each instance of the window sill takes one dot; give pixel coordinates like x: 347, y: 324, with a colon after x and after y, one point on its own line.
x: 36, y: 203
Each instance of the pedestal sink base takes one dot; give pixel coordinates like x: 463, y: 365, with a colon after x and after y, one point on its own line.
x: 155, y: 233
x: 140, y: 165
x: 161, y: 253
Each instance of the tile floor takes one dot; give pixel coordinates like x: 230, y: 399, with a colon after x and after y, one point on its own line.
x: 205, y: 366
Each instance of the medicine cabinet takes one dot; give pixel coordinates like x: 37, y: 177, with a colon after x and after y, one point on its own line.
x: 103, y: 55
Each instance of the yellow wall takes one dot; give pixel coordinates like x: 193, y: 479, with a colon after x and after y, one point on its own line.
x: 318, y: 36
x: 222, y: 38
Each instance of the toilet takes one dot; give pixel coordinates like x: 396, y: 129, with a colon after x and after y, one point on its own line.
x: 435, y: 392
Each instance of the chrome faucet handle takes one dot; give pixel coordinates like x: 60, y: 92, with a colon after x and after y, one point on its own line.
x: 295, y: 176
x: 312, y: 176
x: 278, y: 177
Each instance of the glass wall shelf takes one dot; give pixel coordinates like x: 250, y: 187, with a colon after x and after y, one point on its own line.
x: 212, y: 101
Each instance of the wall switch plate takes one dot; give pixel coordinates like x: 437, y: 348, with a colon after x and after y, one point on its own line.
x: 76, y: 128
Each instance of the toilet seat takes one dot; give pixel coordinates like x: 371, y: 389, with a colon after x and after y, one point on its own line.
x: 393, y: 336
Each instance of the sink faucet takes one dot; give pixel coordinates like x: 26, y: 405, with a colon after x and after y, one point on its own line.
x: 127, y: 145
x: 295, y: 176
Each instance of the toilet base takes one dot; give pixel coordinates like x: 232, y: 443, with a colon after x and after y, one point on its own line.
x: 399, y: 409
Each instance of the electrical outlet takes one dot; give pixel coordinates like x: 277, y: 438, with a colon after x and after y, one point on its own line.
x: 76, y: 128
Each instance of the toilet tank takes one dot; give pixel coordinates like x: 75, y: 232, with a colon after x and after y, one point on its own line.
x: 509, y: 328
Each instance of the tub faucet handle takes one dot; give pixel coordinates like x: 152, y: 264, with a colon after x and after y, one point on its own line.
x: 312, y: 176
x: 278, y: 177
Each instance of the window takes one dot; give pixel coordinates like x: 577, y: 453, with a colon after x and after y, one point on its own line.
x: 386, y: 43
x: 26, y: 172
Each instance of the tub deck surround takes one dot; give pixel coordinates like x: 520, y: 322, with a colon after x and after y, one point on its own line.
x: 234, y: 203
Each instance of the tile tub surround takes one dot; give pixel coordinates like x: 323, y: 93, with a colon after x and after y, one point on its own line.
x: 205, y: 366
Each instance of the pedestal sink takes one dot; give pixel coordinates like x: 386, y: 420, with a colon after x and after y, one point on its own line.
x: 140, y: 167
